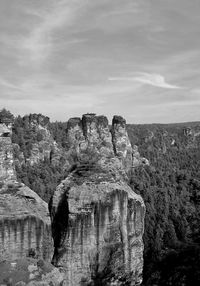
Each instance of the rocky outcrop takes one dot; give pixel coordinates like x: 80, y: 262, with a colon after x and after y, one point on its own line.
x: 42, y: 145
x: 90, y: 132
x: 25, y: 228
x: 121, y: 143
x: 24, y: 223
x: 7, y: 170
x: 93, y: 132
x: 97, y: 220
x: 137, y: 160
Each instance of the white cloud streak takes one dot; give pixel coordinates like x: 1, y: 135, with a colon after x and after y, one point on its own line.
x: 153, y: 79
x: 39, y: 43
x: 7, y: 84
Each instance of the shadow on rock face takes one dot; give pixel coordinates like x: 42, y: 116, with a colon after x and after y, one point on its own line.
x: 60, y: 223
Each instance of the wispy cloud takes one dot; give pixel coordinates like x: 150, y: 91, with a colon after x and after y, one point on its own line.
x: 7, y: 84
x: 40, y: 41
x: 153, y: 79
x: 53, y: 60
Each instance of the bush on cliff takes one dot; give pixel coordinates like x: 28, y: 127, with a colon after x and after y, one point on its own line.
x: 6, y: 114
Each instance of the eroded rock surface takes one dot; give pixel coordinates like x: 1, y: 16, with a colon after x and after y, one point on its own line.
x: 92, y: 133
x: 121, y: 143
x: 97, y: 220
x: 25, y: 228
x: 43, y: 146
x: 7, y: 170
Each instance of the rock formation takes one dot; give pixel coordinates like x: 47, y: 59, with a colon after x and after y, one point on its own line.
x: 24, y: 223
x: 137, y: 160
x: 97, y: 220
x: 24, y: 218
x: 7, y: 171
x: 43, y: 146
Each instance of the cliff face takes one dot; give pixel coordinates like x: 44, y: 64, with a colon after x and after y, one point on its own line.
x: 121, y: 142
x: 97, y: 220
x: 24, y: 223
x: 7, y: 170
x: 24, y: 218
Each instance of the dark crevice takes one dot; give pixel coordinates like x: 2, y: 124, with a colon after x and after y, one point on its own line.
x: 60, y: 222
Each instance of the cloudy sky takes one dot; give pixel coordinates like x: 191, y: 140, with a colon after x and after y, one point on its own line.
x: 136, y: 58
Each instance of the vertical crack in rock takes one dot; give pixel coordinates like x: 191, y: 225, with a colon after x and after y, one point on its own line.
x: 60, y: 225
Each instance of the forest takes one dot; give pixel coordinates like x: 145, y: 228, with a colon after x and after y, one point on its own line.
x: 170, y: 187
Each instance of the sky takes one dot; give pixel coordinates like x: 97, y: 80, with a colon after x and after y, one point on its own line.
x: 135, y: 58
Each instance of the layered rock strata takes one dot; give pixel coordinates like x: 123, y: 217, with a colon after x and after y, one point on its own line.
x: 25, y: 228
x: 24, y: 223
x: 97, y: 220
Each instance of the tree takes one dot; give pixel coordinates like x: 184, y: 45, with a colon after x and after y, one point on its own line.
x: 4, y: 113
